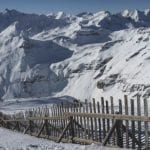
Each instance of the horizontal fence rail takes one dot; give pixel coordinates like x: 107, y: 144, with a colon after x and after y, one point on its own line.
x: 125, y: 124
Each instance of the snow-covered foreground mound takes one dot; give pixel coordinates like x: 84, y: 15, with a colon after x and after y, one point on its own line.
x: 10, y: 140
x: 59, y: 54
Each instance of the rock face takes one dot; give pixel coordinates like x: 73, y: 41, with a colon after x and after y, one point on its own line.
x: 60, y: 54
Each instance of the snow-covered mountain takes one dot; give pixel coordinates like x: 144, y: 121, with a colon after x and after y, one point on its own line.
x: 81, y: 56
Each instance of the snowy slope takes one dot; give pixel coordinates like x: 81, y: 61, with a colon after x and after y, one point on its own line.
x: 82, y: 56
x: 16, y: 141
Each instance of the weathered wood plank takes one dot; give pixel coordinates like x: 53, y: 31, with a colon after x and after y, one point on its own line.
x: 54, y: 112
x: 139, y: 122
x: 52, y: 121
x: 119, y: 125
x: 103, y: 120
x: 74, y: 129
x: 119, y: 133
x: 30, y: 122
x: 80, y: 117
x: 132, y: 123
x: 95, y: 121
x: 91, y: 120
x: 99, y: 122
x: 127, y: 122
x: 57, y: 121
x: 87, y: 119
x: 77, y: 134
x: 107, y: 112
x: 40, y: 131
x: 101, y: 115
x: 112, y: 112
x: 108, y: 136
x: 63, y: 132
x: 111, y: 116
x: 146, y: 123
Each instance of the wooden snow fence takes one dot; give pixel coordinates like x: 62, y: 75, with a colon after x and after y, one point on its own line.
x: 125, y: 124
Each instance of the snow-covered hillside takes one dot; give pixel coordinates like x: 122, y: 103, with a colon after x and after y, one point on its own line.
x: 81, y: 56
x: 16, y: 141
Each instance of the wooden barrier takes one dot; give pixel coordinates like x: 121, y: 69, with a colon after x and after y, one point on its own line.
x: 125, y: 124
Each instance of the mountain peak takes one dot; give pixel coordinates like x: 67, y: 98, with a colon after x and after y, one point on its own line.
x: 11, y: 30
x: 60, y: 15
x: 147, y: 11
x: 84, y: 14
x: 71, y: 51
x: 125, y: 13
x: 11, y: 12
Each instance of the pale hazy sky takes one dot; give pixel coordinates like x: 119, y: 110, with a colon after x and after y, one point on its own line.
x: 73, y: 6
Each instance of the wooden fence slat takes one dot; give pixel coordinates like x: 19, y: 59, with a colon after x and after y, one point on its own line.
x: 110, y: 133
x: 64, y: 122
x: 99, y: 122
x: 30, y: 122
x: 77, y: 119
x: 81, y: 123
x: 103, y: 120
x: 132, y: 123
x: 119, y: 134
x: 126, y: 122
x: 67, y: 133
x: 107, y: 112
x: 121, y: 122
x: 46, y: 121
x: 112, y: 112
x: 108, y: 120
x: 146, y: 123
x: 139, y: 123
x: 95, y: 120
x: 91, y: 120
x: 57, y: 121
x: 87, y: 119
x: 63, y: 132
x: 52, y: 122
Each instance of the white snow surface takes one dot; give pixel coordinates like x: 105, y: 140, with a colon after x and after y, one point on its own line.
x: 18, y: 141
x: 64, y: 55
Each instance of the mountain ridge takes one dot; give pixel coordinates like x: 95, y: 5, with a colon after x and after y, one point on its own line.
x: 60, y: 54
